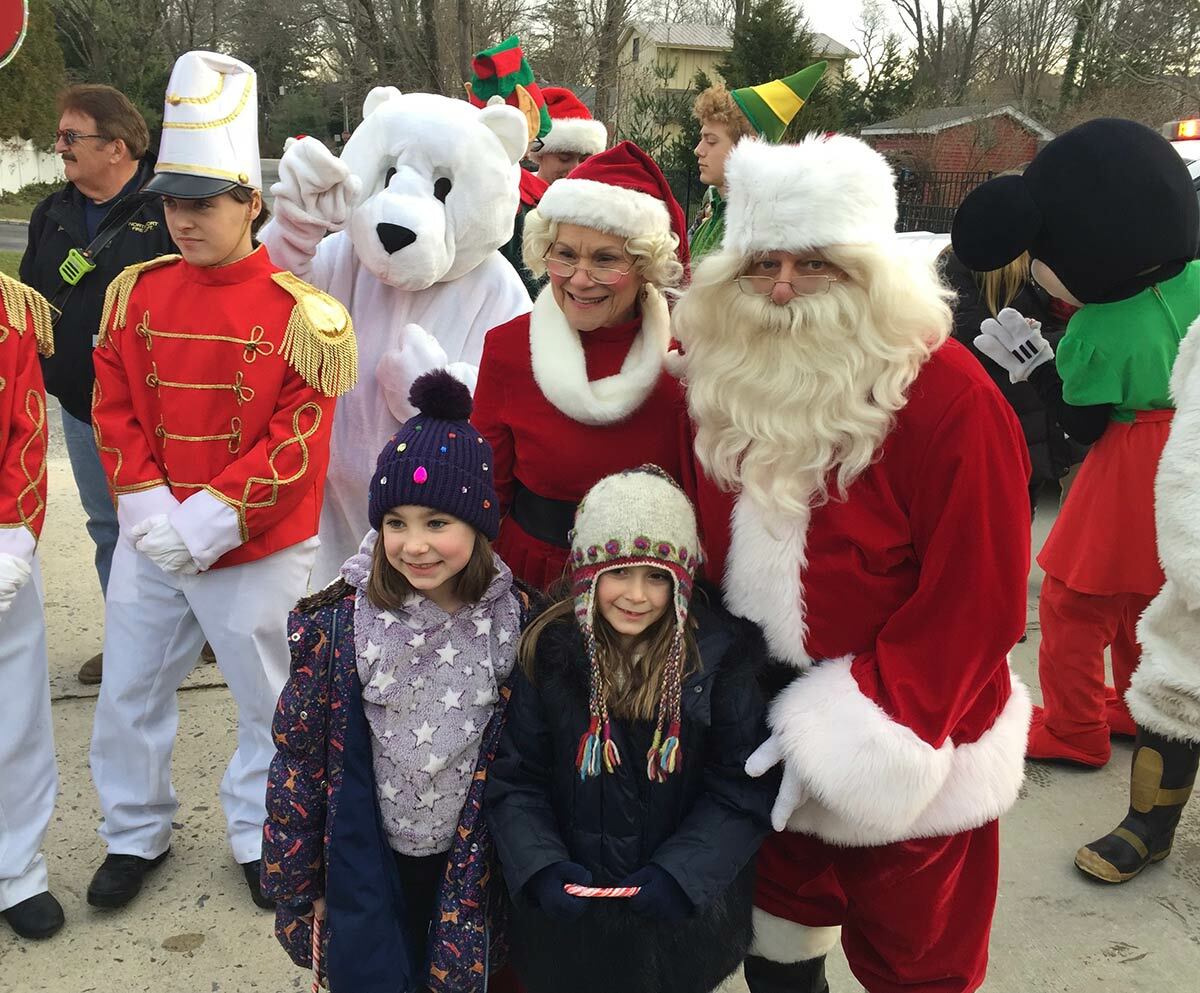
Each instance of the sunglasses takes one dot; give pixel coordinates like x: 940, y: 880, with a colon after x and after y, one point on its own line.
x: 69, y: 137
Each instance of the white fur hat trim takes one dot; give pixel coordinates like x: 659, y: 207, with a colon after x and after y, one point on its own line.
x: 823, y: 191
x: 615, y: 209
x: 576, y: 134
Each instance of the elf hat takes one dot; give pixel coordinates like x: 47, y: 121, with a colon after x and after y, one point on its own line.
x: 210, y: 128
x: 770, y: 107
x: 437, y: 459
x: 504, y: 74
x: 823, y: 191
x: 621, y: 191
x: 572, y: 127
x: 637, y: 517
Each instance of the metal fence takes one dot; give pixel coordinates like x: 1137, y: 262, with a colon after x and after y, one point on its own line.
x: 927, y: 201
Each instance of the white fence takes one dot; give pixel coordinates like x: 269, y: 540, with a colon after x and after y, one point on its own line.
x: 22, y: 164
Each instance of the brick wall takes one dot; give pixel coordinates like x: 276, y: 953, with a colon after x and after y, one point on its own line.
x: 991, y: 145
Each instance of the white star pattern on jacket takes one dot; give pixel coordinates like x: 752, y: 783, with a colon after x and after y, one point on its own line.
x: 451, y: 700
x: 468, y: 726
x: 503, y: 636
x: 387, y: 790
x: 388, y: 619
x: 382, y: 680
x: 466, y: 768
x: 485, y: 697
x: 425, y: 733
x: 417, y: 640
x: 435, y: 764
x: 427, y: 799
x: 447, y: 654
x: 483, y: 626
x: 373, y: 653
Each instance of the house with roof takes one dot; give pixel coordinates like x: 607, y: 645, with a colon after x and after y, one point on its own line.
x: 966, y: 139
x: 688, y: 48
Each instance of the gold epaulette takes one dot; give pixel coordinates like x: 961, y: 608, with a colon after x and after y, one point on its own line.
x: 319, y: 339
x: 116, y: 297
x: 20, y: 302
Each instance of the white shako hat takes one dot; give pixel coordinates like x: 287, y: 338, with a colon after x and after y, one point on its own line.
x: 210, y: 128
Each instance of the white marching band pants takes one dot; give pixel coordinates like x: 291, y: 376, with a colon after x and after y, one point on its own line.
x: 28, y: 773
x: 155, y: 624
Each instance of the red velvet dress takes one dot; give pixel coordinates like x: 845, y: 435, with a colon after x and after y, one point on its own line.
x: 557, y: 456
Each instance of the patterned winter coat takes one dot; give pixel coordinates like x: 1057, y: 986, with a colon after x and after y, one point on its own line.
x: 320, y: 735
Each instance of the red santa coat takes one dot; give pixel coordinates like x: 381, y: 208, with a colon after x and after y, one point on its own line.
x: 562, y: 410
x: 215, y: 393
x: 899, y: 604
x: 25, y: 331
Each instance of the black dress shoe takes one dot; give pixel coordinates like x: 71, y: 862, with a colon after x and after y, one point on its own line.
x: 119, y: 879
x: 253, y: 873
x: 38, y: 917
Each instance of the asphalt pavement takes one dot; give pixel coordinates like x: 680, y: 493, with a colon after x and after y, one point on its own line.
x: 13, y: 236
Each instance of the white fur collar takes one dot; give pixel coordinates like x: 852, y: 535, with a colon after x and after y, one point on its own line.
x: 561, y: 370
x: 763, y: 576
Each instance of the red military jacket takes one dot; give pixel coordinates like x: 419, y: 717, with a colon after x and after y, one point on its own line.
x: 25, y: 332
x: 214, y: 400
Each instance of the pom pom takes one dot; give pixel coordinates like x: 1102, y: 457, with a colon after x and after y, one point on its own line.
x: 438, y: 394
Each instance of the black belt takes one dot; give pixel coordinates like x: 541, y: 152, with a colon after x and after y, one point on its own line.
x: 542, y: 518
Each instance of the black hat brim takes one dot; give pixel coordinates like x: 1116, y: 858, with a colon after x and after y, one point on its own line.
x: 183, y: 186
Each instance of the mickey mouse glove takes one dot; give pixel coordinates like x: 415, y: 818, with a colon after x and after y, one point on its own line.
x: 1015, y: 343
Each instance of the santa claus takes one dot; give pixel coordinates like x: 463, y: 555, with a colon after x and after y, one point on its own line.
x: 866, y: 505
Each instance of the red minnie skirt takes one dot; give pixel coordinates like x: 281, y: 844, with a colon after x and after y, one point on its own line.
x: 1103, y: 542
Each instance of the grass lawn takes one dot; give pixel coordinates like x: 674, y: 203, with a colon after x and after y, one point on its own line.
x: 9, y: 261
x: 19, y: 204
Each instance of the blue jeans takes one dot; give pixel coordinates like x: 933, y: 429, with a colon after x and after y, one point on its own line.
x: 92, y: 484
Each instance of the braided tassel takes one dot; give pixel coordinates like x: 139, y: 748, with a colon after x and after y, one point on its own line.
x: 653, y: 772
x: 588, y: 759
x: 669, y: 754
x: 612, y: 754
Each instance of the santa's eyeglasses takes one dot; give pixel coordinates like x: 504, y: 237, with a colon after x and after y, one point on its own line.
x: 70, y: 137
x: 806, y: 285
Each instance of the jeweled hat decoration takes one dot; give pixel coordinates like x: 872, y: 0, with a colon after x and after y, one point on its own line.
x: 437, y: 459
x: 637, y: 517
x: 210, y: 128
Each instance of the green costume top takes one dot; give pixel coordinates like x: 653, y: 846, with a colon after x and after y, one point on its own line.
x: 710, y: 232
x: 1122, y: 353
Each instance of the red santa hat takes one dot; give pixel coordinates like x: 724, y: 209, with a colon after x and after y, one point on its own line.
x: 621, y: 191
x: 572, y: 128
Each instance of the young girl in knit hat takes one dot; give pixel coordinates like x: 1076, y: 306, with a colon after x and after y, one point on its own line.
x: 397, y: 671
x: 633, y: 712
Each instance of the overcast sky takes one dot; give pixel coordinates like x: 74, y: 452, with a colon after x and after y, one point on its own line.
x: 836, y: 18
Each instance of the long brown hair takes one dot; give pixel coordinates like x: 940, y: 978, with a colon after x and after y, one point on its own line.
x: 633, y: 678
x: 389, y: 590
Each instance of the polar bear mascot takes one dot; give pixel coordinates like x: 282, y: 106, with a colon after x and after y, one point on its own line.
x: 424, y: 194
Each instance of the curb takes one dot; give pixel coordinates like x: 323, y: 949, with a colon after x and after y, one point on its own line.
x: 14, y: 222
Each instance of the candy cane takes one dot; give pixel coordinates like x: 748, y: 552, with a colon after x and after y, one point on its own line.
x: 316, y: 954
x: 574, y: 889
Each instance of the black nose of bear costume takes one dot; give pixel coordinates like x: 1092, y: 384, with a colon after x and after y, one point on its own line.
x: 394, y: 237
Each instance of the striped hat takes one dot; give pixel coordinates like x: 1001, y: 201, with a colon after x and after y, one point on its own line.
x: 504, y: 72
x: 770, y: 107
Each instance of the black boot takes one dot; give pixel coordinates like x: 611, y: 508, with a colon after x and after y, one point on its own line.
x: 1159, y: 785
x: 765, y: 976
x: 119, y: 879
x: 38, y: 917
x: 253, y: 873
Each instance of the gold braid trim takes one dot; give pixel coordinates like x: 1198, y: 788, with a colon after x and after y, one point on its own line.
x: 20, y: 301
x: 318, y: 341
x: 116, y: 297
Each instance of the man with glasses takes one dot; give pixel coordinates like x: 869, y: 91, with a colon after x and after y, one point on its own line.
x: 104, y: 144
x: 865, y: 504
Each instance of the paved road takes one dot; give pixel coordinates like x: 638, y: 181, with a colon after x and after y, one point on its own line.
x: 13, y: 237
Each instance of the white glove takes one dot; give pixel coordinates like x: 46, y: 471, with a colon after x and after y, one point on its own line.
x: 14, y: 573
x: 791, y: 795
x: 419, y: 352
x: 1014, y: 343
x: 161, y: 544
x: 315, y: 186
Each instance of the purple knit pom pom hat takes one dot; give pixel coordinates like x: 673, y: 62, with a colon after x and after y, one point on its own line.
x: 437, y: 459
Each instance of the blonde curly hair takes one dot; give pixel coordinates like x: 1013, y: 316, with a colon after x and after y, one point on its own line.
x: 654, y: 255
x: 716, y: 106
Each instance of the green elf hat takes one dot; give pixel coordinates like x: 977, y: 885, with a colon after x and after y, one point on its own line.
x: 770, y: 107
x: 504, y: 72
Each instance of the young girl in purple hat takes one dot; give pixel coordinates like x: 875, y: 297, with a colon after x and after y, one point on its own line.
x: 397, y: 671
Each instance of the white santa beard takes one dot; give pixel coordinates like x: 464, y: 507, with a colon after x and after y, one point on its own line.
x: 783, y: 396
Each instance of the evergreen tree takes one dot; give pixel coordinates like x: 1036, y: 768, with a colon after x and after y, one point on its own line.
x: 30, y: 83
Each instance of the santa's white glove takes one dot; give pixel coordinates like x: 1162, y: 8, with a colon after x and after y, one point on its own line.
x: 14, y: 573
x: 419, y: 352
x: 315, y: 187
x: 162, y: 544
x: 1015, y: 343
x: 791, y: 795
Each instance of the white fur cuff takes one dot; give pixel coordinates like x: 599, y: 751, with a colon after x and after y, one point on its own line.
x: 576, y: 134
x: 779, y: 940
